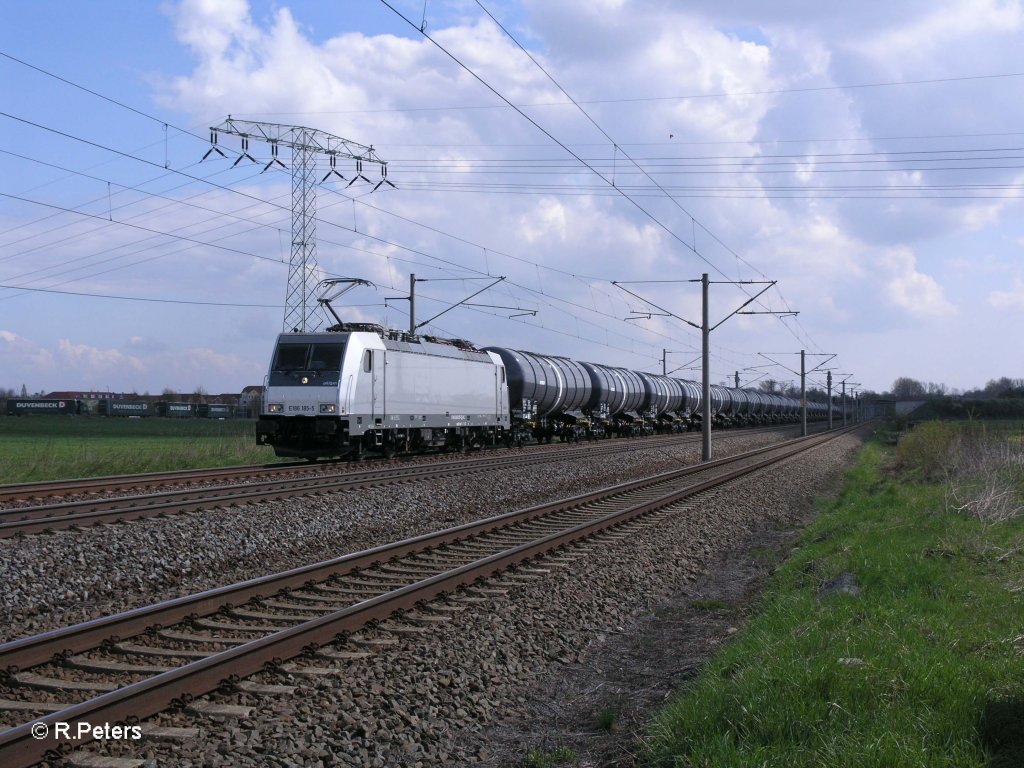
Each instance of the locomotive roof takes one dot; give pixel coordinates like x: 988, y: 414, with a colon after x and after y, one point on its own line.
x: 437, y: 350
x: 419, y: 346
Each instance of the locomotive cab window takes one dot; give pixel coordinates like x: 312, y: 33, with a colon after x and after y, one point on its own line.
x: 326, y: 357
x: 368, y: 361
x: 291, y: 357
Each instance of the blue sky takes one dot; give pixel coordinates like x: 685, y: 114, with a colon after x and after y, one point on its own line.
x: 867, y: 159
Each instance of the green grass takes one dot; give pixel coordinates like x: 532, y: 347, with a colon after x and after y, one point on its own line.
x: 925, y: 667
x: 537, y: 758
x: 55, y: 447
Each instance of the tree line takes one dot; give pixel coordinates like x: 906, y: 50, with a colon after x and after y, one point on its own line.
x: 906, y: 388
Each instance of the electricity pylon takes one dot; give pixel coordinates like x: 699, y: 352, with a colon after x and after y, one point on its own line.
x: 302, y: 311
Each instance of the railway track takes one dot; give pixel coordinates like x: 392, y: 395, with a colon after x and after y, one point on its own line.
x: 89, y: 511
x: 92, y: 485
x: 145, y: 660
x: 47, y: 489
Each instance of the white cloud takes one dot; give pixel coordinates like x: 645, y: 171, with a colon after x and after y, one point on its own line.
x: 151, y: 365
x: 96, y: 361
x: 1008, y: 299
x: 837, y: 238
x: 945, y: 25
x: 914, y: 292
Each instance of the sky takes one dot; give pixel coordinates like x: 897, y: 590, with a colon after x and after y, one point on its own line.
x: 599, y: 155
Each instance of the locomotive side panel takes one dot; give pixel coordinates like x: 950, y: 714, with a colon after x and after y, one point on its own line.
x: 423, y: 389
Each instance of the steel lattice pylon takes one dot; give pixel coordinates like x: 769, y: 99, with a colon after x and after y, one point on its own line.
x: 302, y: 311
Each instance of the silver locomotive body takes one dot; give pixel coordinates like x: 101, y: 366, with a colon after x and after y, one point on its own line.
x: 341, y: 393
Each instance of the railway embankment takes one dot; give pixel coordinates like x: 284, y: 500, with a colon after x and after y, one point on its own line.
x: 887, y: 632
x: 424, y: 688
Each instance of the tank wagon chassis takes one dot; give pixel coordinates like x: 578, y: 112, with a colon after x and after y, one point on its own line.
x: 357, y: 389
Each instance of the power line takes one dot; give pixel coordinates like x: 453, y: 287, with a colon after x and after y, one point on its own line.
x: 547, y: 297
x: 136, y: 226
x: 140, y: 298
x: 547, y: 133
x: 642, y: 99
x: 693, y: 246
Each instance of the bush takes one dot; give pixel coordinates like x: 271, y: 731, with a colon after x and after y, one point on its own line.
x: 923, y: 451
x: 985, y: 474
x: 982, y: 468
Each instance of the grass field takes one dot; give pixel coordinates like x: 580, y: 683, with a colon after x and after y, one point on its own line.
x: 54, y: 447
x: 923, y: 666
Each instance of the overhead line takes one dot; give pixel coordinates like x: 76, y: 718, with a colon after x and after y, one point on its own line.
x: 641, y: 99
x: 693, y: 219
x: 139, y: 298
x: 551, y: 136
x: 136, y: 226
x: 162, y: 122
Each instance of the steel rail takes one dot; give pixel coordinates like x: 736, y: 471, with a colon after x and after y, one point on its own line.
x: 45, y: 488
x: 63, y: 515
x: 21, y: 746
x: 29, y: 651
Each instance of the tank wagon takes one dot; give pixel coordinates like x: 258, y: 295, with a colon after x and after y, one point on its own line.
x: 357, y: 388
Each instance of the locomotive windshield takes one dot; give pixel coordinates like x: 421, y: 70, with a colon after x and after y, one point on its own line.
x: 292, y: 357
x: 326, y: 357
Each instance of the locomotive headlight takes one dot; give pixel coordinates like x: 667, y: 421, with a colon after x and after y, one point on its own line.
x: 275, y: 408
x: 327, y: 407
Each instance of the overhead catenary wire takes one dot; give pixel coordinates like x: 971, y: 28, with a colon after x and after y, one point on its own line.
x: 194, y: 178
x: 191, y: 302
x: 228, y: 189
x: 260, y: 200
x: 692, y: 246
x: 540, y: 266
x: 683, y: 97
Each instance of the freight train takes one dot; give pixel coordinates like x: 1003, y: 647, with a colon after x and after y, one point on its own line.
x: 357, y: 388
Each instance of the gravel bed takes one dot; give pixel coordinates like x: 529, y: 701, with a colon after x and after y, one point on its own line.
x: 54, y: 580
x: 298, y: 472
x: 453, y: 696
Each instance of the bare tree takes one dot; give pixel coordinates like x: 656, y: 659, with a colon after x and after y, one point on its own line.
x: 906, y: 388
